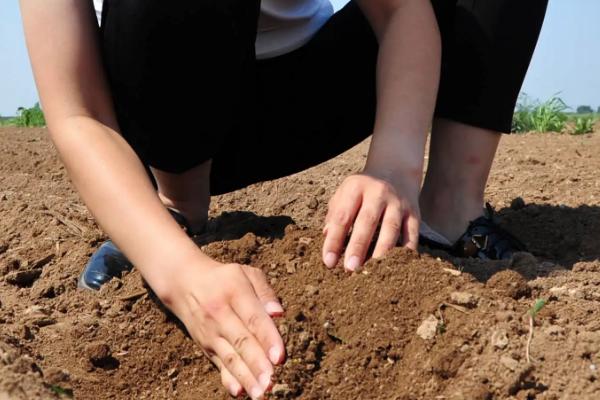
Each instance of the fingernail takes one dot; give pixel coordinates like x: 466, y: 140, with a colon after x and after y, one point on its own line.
x: 256, y: 393
x: 274, y: 355
x: 353, y: 263
x: 235, y: 389
x: 273, y: 308
x: 330, y: 259
x: 265, y: 380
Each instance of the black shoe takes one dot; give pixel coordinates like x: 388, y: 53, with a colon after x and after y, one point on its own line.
x: 109, y: 262
x: 483, y: 239
x: 106, y: 263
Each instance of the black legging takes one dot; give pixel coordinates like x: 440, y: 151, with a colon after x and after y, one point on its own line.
x: 187, y: 87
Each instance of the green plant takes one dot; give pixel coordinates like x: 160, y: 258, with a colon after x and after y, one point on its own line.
x: 533, y: 311
x: 537, y: 307
x: 548, y: 116
x: 29, y: 117
x: 584, y: 125
x: 521, y: 122
x: 60, y: 391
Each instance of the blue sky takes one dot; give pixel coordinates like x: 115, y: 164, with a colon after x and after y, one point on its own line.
x: 567, y: 58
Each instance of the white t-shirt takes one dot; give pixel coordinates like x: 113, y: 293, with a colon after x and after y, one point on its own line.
x: 283, y: 26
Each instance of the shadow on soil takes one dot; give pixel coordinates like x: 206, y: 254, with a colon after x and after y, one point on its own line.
x: 558, y: 236
x: 234, y: 225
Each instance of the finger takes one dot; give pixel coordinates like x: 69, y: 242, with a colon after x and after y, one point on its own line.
x: 264, y: 292
x: 252, y: 314
x: 227, y: 379
x: 341, y: 214
x: 234, y: 363
x: 247, y: 348
x: 362, y: 234
x: 391, y: 228
x: 410, y: 231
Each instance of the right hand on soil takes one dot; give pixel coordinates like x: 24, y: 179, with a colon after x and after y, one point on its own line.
x: 361, y: 204
x: 227, y: 308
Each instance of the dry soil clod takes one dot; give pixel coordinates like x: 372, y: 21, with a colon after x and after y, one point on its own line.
x: 428, y: 327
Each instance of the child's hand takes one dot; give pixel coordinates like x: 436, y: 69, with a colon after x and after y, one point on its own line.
x: 227, y: 309
x: 361, y: 203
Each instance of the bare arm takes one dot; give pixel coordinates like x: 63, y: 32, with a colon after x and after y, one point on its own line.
x: 62, y: 40
x: 408, y: 71
x: 105, y: 170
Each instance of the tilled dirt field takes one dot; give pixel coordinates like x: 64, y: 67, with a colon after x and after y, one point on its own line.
x: 406, y: 327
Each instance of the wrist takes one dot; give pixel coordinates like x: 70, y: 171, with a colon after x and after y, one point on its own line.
x: 404, y: 179
x: 165, y: 274
x: 396, y: 160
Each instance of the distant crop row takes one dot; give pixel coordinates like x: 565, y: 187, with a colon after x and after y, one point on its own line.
x: 26, y: 117
x: 551, y: 116
x: 530, y: 116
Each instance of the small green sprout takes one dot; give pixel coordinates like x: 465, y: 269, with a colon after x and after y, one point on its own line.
x: 539, y: 304
x: 533, y: 311
x: 60, y: 391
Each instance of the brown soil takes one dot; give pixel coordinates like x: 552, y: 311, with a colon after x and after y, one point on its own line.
x: 406, y: 327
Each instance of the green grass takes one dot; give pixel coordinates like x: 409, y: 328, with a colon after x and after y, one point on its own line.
x: 26, y: 117
x: 30, y: 117
x: 552, y: 115
x: 548, y: 116
x: 5, y: 121
x: 584, y: 124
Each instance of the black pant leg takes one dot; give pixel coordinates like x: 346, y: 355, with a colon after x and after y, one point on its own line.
x: 176, y: 69
x: 486, y: 49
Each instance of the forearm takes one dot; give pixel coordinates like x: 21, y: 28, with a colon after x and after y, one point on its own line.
x: 107, y: 173
x: 407, y: 82
x: 113, y: 183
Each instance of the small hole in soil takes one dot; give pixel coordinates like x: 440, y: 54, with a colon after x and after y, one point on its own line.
x: 300, y: 317
x: 106, y: 363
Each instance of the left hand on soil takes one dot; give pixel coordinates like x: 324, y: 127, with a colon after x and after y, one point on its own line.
x: 360, y: 204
